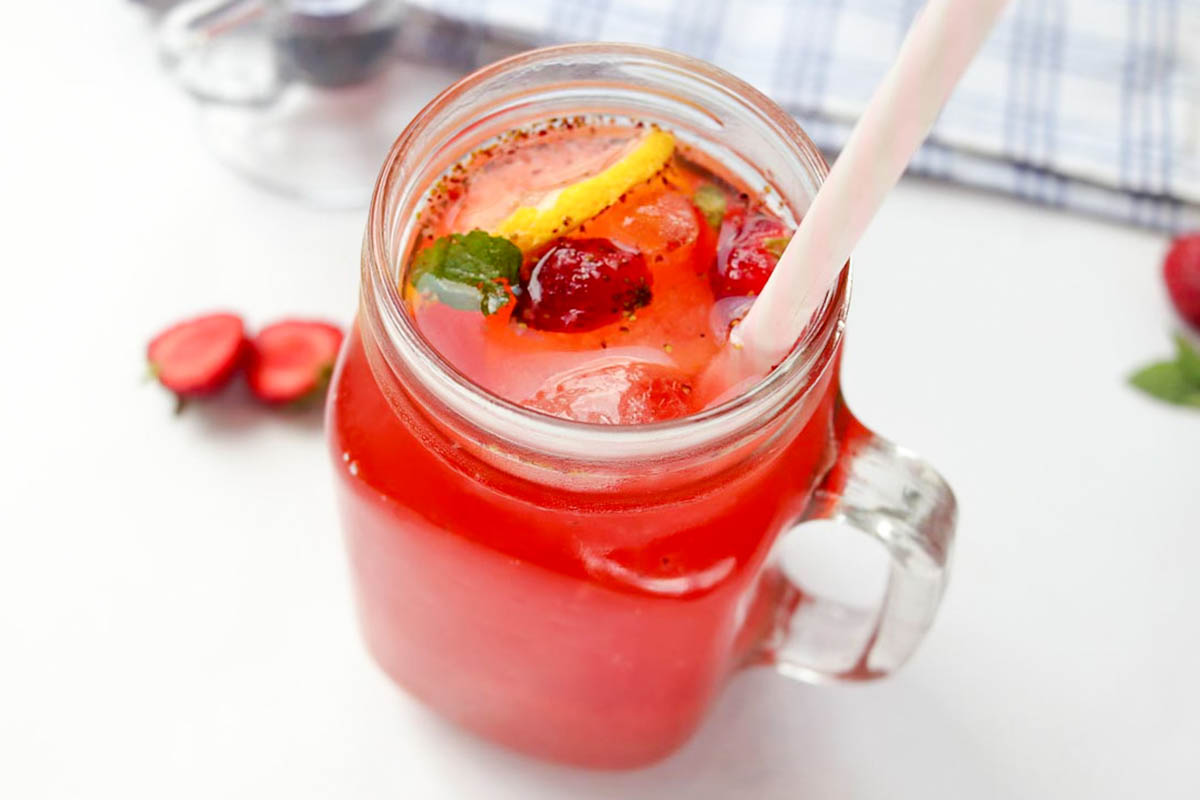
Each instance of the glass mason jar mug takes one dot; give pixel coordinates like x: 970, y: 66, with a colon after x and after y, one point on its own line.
x: 581, y: 592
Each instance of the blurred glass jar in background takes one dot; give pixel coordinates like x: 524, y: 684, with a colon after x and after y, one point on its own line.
x: 302, y: 96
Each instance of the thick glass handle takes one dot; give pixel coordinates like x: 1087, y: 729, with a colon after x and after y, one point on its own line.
x: 886, y: 492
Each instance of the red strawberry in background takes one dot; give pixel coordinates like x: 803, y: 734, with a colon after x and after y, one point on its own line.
x: 198, y: 356
x: 1177, y: 380
x: 1181, y: 271
x: 292, y: 360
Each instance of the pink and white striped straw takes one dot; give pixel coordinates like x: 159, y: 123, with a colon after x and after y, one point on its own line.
x: 943, y: 39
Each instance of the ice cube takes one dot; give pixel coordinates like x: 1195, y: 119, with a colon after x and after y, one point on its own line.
x: 663, y: 224
x: 725, y: 313
x: 615, y: 391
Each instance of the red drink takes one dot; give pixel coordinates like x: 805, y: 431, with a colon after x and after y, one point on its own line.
x: 592, y: 627
x: 576, y: 591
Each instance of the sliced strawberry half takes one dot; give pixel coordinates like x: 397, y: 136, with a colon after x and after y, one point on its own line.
x: 198, y: 356
x: 291, y: 360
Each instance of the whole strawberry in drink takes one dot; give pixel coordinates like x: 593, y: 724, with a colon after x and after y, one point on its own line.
x: 582, y: 284
x: 748, y: 248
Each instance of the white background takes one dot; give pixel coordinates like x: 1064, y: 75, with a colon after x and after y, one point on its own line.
x: 175, y: 615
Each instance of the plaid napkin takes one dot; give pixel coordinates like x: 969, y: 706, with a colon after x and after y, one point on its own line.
x: 1092, y: 105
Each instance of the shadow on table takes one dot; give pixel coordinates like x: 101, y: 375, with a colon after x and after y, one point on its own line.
x: 235, y: 411
x: 765, y: 738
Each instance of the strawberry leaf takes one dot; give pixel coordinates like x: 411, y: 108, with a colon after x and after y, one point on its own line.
x: 461, y: 296
x: 1188, y: 359
x: 1166, y: 381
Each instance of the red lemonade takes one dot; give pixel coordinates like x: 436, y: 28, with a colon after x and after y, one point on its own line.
x: 560, y: 494
x: 582, y: 617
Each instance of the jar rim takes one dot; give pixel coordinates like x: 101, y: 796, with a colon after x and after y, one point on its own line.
x: 790, y: 379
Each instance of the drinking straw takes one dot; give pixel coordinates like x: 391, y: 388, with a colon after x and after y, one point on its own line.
x: 943, y: 39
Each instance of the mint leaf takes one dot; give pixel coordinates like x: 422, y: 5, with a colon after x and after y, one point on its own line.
x: 493, y: 297
x: 711, y: 202
x: 775, y: 245
x: 1188, y: 360
x: 428, y: 260
x: 478, y: 256
x: 462, y: 296
x: 462, y: 270
x: 1166, y: 381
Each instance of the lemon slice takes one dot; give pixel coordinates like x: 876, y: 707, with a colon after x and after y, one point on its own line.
x: 565, y: 209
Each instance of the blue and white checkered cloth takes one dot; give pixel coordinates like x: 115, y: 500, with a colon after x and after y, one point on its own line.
x: 1092, y: 105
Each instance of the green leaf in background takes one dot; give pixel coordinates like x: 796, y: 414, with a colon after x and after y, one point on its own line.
x: 462, y: 270
x: 1188, y: 360
x: 711, y: 202
x: 1166, y: 381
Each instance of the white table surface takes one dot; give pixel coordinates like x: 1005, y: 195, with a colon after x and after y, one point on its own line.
x: 175, y: 616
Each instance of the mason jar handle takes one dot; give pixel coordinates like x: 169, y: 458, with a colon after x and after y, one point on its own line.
x: 888, y: 493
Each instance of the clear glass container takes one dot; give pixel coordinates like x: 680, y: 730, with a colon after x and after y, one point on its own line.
x: 581, y: 592
x: 301, y: 96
